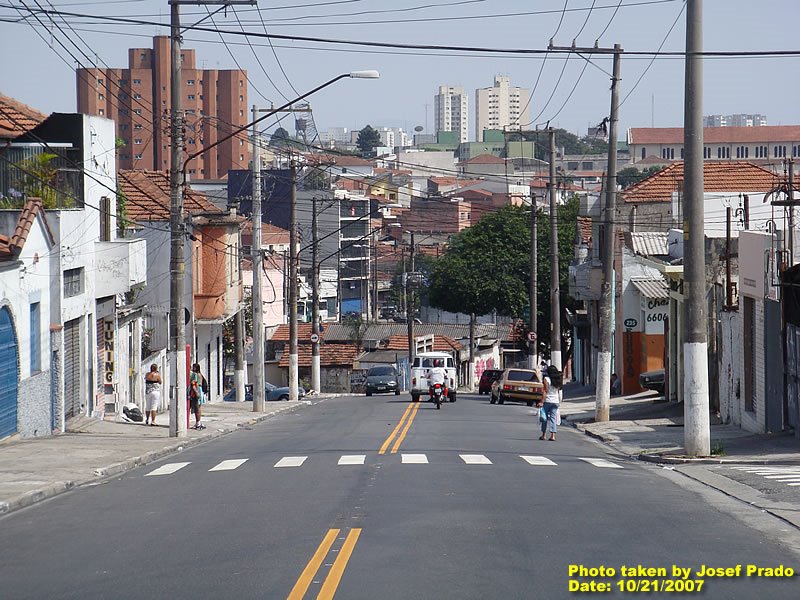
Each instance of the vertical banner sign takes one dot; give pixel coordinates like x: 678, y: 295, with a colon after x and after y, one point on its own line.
x: 108, y: 353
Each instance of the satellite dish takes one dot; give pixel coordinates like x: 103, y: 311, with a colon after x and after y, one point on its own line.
x: 418, y: 128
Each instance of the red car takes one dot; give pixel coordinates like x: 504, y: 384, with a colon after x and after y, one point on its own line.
x: 488, y: 377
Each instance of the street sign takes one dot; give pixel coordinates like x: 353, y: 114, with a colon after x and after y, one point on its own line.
x: 314, y: 338
x: 531, y: 336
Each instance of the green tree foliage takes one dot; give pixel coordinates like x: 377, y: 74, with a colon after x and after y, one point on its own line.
x: 368, y: 139
x: 280, y: 138
x: 631, y: 175
x: 571, y: 143
x: 487, y: 266
x: 229, y: 329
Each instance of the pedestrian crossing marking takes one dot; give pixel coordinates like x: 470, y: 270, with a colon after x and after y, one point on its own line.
x: 538, y: 461
x: 475, y: 459
x: 414, y: 459
x: 789, y: 475
x: 168, y: 469
x: 352, y: 459
x: 291, y: 461
x: 601, y: 463
x: 229, y: 465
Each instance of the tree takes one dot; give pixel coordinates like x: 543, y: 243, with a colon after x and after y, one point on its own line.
x: 631, y: 175
x: 487, y: 266
x: 368, y: 139
x: 571, y: 144
x: 280, y: 138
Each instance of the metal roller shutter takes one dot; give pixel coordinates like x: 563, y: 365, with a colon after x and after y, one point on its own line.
x: 72, y: 368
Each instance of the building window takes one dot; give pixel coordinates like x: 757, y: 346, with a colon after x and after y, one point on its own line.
x: 137, y: 126
x: 101, y: 112
x: 738, y: 152
x: 137, y: 96
x: 138, y: 156
x: 191, y: 96
x: 137, y: 141
x: 36, y: 337
x: 190, y: 82
x: 124, y: 111
x: 137, y: 111
x: 105, y: 219
x: 101, y: 97
x: 137, y: 81
x: 644, y: 153
x: 73, y: 282
x: 682, y: 153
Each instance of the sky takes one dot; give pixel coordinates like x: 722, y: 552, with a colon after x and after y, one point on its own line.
x: 39, y: 56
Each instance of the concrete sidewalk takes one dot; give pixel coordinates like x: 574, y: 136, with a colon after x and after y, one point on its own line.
x: 32, y: 470
x: 644, y: 426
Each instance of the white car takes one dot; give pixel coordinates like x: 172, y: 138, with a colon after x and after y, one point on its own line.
x: 423, y: 363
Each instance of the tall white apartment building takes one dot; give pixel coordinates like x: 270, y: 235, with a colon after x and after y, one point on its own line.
x: 451, y: 111
x: 500, y: 106
x: 393, y: 137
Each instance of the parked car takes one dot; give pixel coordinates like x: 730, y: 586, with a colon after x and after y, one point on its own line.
x: 272, y: 393
x: 518, y: 385
x: 382, y: 379
x: 488, y: 377
x: 652, y: 380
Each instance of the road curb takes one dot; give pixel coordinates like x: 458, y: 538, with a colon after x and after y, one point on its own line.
x: 55, y: 489
x: 680, y: 460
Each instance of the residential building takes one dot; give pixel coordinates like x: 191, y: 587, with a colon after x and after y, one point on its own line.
x: 213, y: 288
x: 89, y: 365
x: 451, y: 111
x: 737, y: 120
x: 355, y: 252
x: 138, y: 99
x: 766, y: 145
x: 501, y: 106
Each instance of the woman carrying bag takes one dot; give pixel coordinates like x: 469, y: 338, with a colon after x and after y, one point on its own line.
x: 552, y: 399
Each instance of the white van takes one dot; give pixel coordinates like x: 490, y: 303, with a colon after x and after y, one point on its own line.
x: 423, y: 363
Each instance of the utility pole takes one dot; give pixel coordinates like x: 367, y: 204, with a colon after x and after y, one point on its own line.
x: 697, y: 434
x: 410, y: 307
x: 555, y: 304
x: 791, y: 212
x: 471, y: 378
x: 177, y: 323
x: 533, y: 355
x: 239, y: 379
x: 293, y: 366
x: 603, y: 383
x: 375, y: 278
x: 257, y: 257
x: 315, y: 364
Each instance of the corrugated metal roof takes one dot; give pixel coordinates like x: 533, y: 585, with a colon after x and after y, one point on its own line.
x: 651, y: 288
x: 650, y: 243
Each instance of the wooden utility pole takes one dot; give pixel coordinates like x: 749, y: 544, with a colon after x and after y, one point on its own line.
x: 555, y: 299
x: 315, y: 360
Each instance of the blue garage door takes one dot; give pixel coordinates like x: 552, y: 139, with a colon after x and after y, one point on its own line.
x: 8, y: 375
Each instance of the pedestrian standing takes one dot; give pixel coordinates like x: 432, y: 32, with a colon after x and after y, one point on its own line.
x: 152, y: 394
x: 197, y: 396
x: 553, y: 382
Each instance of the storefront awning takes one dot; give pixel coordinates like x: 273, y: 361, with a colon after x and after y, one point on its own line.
x: 651, y: 288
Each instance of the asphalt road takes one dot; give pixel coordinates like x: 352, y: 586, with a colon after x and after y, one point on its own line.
x: 378, y: 498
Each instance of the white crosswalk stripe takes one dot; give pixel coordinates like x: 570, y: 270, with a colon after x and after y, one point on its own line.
x: 538, y: 461
x: 788, y: 474
x: 229, y: 465
x: 475, y: 459
x: 352, y: 459
x: 168, y: 469
x: 601, y: 463
x: 414, y: 459
x: 291, y: 461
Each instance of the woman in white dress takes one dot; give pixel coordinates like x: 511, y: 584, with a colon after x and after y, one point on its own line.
x: 152, y: 394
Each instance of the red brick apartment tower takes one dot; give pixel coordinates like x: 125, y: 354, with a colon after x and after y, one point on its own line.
x: 138, y: 99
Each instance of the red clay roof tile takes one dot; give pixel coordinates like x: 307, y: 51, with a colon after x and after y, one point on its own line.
x: 16, y: 118
x: 148, y: 196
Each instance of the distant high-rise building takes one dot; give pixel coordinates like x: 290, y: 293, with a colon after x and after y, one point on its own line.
x: 738, y: 120
x: 138, y: 99
x: 451, y: 111
x: 335, y: 134
x: 502, y: 105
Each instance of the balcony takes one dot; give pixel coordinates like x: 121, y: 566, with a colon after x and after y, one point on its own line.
x: 120, y: 265
x: 218, y: 308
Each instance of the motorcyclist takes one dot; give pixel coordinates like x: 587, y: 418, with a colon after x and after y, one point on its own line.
x: 438, y: 374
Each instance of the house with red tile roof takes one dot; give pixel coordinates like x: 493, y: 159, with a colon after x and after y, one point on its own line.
x: 26, y: 242
x: 17, y: 118
x: 213, y: 278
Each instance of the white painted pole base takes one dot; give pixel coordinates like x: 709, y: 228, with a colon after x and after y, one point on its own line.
x: 555, y: 359
x: 697, y: 425
x: 315, y: 373
x: 177, y: 407
x: 603, y: 387
x: 294, y: 378
x: 238, y: 378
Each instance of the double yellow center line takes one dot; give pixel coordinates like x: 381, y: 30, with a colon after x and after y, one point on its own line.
x: 331, y: 582
x: 407, y: 418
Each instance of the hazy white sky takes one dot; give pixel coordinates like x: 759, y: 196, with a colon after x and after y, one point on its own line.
x: 570, y: 92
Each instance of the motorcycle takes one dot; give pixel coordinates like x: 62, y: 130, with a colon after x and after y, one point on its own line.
x: 437, y: 394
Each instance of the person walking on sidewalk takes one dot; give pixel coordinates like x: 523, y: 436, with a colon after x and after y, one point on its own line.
x: 197, y: 396
x: 152, y: 394
x: 553, y: 381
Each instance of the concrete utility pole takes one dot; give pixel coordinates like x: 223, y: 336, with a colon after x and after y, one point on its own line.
x: 315, y: 364
x: 293, y: 366
x: 603, y: 383
x: 697, y: 433
x: 533, y: 354
x: 791, y: 212
x: 238, y: 374
x: 555, y: 304
x: 258, y: 275
x: 177, y: 322
x: 471, y: 378
x: 410, y: 307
